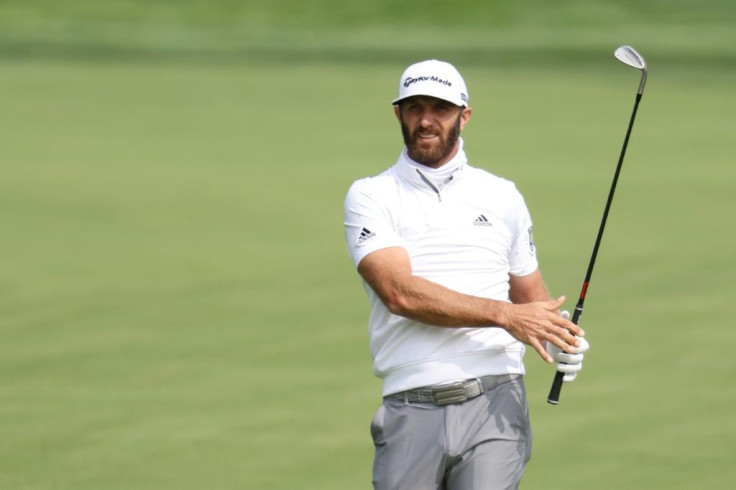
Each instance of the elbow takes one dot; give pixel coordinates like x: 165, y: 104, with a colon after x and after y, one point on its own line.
x: 397, y: 304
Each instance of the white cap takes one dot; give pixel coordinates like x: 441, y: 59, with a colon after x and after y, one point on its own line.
x: 435, y: 79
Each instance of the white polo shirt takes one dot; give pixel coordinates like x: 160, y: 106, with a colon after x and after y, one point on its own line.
x: 467, y: 233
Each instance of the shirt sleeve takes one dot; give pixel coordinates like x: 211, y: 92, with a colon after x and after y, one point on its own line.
x: 523, y: 257
x: 368, y: 222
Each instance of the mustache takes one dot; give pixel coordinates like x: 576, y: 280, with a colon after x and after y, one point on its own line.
x: 411, y: 137
x: 415, y: 134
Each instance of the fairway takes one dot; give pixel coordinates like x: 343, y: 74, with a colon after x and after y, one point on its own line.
x: 178, y: 308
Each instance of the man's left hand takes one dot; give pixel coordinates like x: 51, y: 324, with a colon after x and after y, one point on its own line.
x: 570, y: 364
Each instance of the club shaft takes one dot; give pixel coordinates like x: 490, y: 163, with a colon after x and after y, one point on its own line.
x: 554, y: 393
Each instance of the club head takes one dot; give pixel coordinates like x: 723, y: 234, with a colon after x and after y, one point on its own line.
x: 631, y: 57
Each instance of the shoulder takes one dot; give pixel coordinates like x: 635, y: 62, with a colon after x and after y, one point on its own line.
x: 373, y: 186
x: 485, y: 181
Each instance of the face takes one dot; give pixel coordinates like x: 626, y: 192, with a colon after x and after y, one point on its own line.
x: 431, y: 128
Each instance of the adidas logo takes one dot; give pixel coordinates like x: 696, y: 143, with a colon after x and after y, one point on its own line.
x: 365, y: 235
x: 482, y: 221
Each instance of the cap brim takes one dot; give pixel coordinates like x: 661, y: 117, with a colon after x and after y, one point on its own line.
x: 454, y: 102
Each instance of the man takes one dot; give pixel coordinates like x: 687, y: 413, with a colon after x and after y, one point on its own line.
x: 446, y: 255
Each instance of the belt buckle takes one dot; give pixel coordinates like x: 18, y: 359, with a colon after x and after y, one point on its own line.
x: 452, y: 393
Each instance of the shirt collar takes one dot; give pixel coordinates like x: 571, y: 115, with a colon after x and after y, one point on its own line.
x: 423, y: 176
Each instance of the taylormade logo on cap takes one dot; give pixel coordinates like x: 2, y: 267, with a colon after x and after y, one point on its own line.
x: 435, y: 79
x: 410, y: 80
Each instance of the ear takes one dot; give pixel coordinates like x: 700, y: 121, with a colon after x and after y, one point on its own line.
x: 465, y: 117
x: 397, y: 111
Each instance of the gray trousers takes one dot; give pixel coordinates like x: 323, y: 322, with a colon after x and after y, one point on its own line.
x: 482, y: 443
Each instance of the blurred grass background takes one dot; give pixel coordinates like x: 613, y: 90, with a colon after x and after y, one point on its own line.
x: 177, y: 308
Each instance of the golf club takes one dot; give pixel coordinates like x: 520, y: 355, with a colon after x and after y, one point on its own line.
x: 631, y: 57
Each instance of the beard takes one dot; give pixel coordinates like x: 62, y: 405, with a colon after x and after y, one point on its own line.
x: 430, y: 156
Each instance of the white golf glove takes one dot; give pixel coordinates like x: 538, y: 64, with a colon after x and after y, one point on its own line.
x: 570, y: 364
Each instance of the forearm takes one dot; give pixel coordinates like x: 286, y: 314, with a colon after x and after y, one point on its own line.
x: 528, y: 289
x: 388, y: 273
x: 429, y: 302
x: 433, y: 304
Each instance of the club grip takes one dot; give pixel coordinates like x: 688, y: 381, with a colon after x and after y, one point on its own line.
x: 554, y: 391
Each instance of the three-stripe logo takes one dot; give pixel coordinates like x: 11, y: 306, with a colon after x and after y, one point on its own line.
x: 365, y: 235
x: 482, y: 221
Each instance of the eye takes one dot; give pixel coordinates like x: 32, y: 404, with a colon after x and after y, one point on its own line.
x: 442, y: 107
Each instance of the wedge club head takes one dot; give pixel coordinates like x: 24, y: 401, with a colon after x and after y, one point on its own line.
x: 628, y: 55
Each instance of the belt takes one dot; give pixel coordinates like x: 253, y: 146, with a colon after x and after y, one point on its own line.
x: 458, y: 392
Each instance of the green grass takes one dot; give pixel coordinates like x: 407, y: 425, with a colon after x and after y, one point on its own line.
x: 178, y: 310
x: 533, y: 31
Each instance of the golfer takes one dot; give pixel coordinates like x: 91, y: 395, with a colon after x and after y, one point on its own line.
x: 446, y: 254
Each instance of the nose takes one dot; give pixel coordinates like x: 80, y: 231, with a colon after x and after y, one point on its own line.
x: 426, y: 118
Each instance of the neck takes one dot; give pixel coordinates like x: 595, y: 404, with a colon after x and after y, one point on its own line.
x: 441, y: 172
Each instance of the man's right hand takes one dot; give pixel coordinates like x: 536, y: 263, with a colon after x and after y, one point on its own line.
x: 539, y: 323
